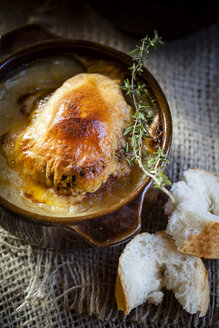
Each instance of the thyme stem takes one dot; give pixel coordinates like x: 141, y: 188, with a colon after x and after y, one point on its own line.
x: 152, y: 171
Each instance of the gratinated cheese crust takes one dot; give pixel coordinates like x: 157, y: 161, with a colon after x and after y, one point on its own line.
x: 74, y: 142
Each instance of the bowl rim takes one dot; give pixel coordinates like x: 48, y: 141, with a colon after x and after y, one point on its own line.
x: 164, y: 111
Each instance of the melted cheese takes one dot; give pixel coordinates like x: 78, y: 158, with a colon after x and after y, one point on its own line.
x: 74, y: 142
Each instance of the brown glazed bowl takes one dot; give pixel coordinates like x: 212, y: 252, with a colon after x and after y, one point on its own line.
x: 109, y: 225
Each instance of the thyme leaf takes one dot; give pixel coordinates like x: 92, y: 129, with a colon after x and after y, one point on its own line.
x: 142, y: 118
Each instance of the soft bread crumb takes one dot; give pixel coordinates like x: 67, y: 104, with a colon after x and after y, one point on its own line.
x: 194, y: 219
x: 151, y: 262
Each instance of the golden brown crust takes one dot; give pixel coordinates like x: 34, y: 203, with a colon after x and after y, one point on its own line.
x: 122, y: 303
x: 205, y: 244
x: 76, y: 142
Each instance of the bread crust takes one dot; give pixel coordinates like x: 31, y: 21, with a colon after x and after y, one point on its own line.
x: 202, y: 287
x: 205, y: 244
x: 121, y: 300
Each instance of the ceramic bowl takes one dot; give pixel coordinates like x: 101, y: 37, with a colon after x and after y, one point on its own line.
x: 109, y: 225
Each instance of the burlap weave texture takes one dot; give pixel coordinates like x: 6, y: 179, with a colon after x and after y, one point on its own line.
x: 40, y: 288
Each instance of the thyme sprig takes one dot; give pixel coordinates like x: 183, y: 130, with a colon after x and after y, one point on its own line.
x: 142, y: 118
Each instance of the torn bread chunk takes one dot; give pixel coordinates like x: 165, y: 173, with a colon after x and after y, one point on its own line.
x: 150, y: 262
x: 194, y: 219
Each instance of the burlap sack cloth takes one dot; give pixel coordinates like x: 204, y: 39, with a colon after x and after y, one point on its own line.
x: 40, y: 288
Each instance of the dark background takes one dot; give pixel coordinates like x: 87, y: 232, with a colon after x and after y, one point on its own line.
x: 173, y: 18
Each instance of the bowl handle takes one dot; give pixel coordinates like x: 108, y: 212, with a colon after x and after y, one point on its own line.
x: 23, y: 36
x: 118, y: 226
